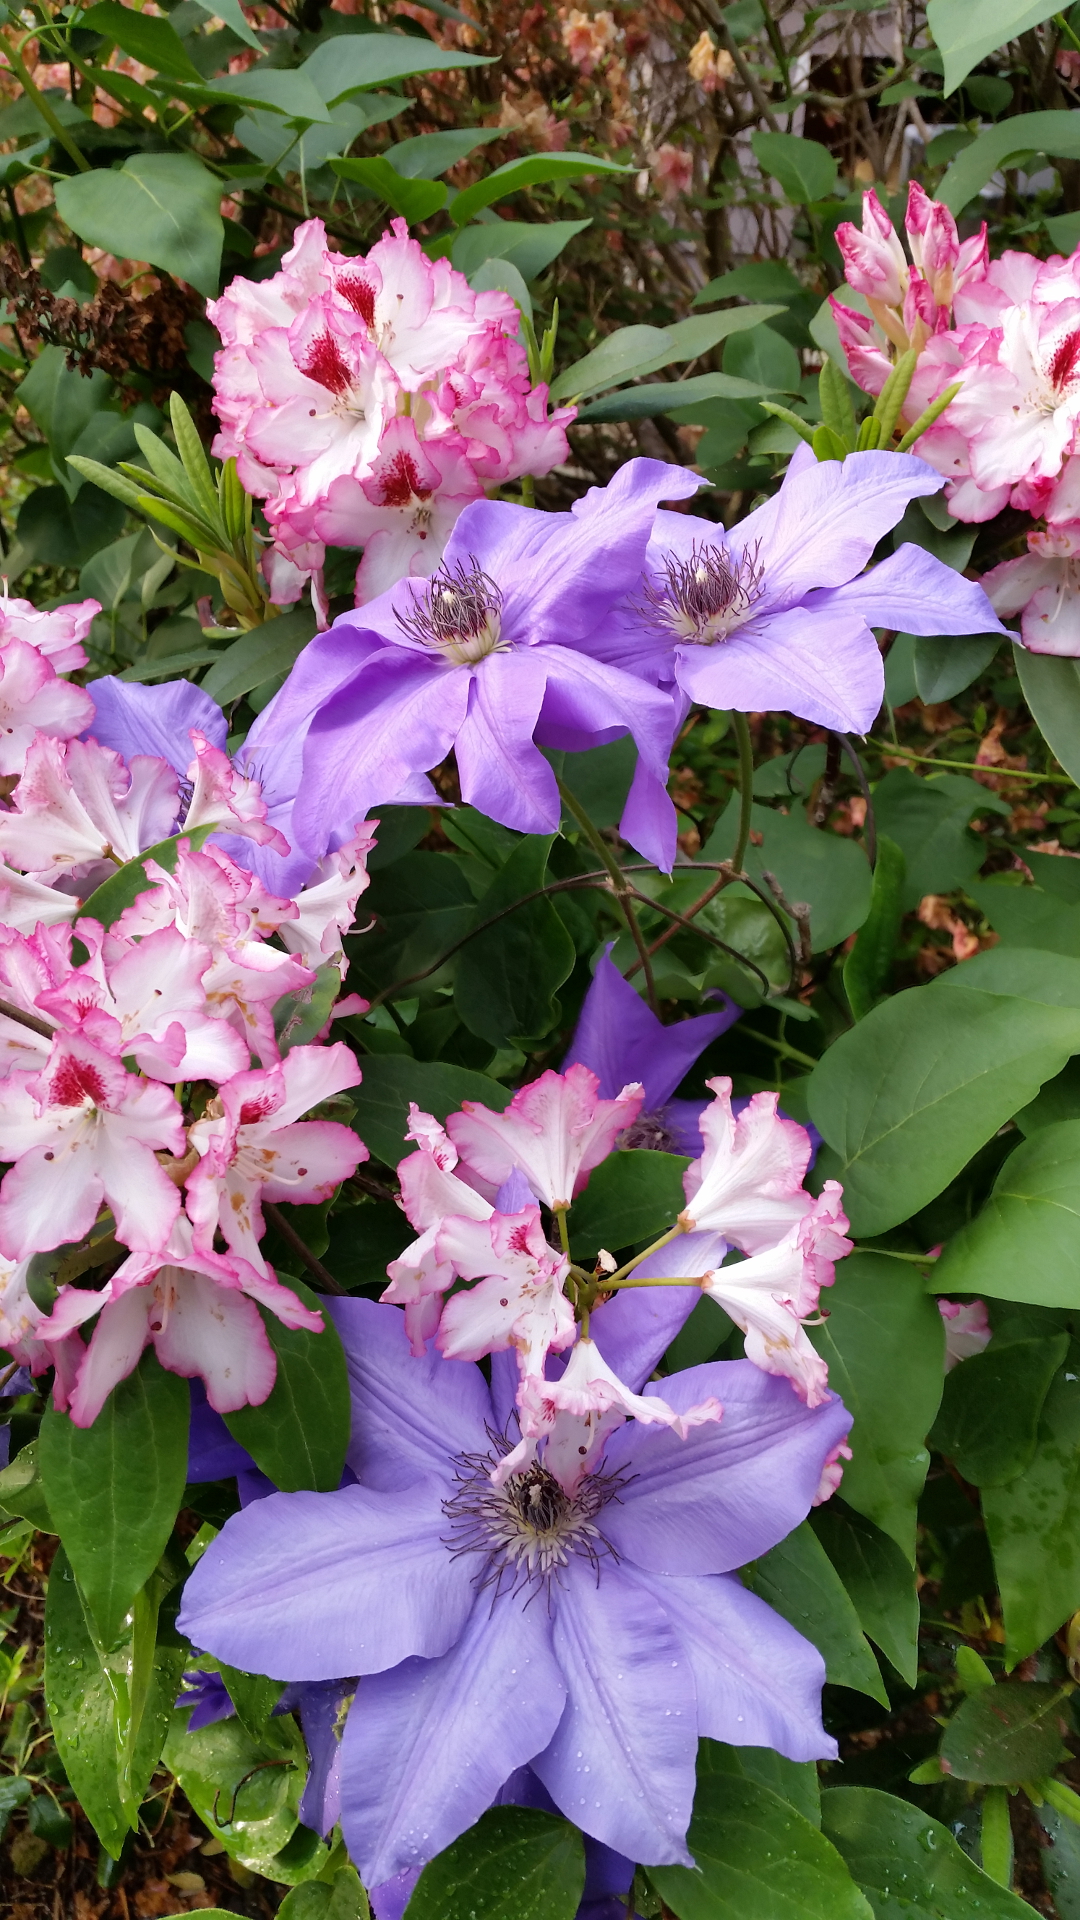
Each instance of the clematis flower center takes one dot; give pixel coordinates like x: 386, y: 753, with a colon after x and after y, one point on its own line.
x: 460, y: 615
x: 705, y: 598
x: 526, y: 1530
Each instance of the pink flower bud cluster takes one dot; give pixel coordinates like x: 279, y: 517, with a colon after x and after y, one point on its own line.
x: 1008, y: 331
x: 367, y: 400
x: 149, y: 1100
x: 474, y: 1190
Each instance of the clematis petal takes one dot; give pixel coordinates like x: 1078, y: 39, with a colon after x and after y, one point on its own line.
x: 758, y: 1681
x: 318, y: 1586
x: 621, y: 1764
x: 914, y: 593
x: 821, y: 528
x: 827, y: 670
x: 427, y: 1747
x: 754, y: 1473
x: 155, y: 720
x: 502, y: 773
x: 410, y: 1417
x: 620, y: 1039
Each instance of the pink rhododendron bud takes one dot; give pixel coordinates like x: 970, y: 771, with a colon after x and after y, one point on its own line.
x: 967, y: 1330
x: 57, y: 634
x: 83, y: 1131
x: 253, y: 1142
x: 33, y: 699
x: 874, y: 262
x: 555, y: 1130
x: 747, y: 1185
x: 935, y: 244
x: 867, y: 360
x: 518, y: 1300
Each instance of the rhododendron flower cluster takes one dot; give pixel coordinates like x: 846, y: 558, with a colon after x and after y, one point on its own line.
x: 132, y: 1118
x: 1008, y: 332
x: 368, y: 399
x: 477, y: 1192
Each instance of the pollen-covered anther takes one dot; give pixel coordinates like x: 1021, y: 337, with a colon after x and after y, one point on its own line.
x: 704, y: 598
x: 526, y: 1530
x: 460, y: 615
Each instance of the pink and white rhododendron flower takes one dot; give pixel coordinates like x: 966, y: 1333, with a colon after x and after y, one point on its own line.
x: 575, y: 1414
x: 253, y: 1142
x: 56, y: 633
x: 519, y: 1299
x: 769, y: 1294
x: 431, y: 1194
x: 554, y: 1131
x: 80, y: 1132
x: 196, y: 1309
x: 367, y: 400
x: 747, y: 1185
x: 33, y: 699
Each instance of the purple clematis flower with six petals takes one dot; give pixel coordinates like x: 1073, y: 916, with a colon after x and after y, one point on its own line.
x: 488, y: 657
x: 776, y: 613
x: 592, y: 1636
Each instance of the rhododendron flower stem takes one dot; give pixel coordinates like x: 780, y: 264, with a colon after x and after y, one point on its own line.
x: 623, y: 890
x: 617, y: 1277
x: 300, y: 1247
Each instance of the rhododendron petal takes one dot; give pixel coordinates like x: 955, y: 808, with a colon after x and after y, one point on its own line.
x: 555, y: 1130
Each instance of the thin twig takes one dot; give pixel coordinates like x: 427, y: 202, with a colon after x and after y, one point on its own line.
x: 797, y: 910
x: 30, y: 1020
x: 292, y: 1239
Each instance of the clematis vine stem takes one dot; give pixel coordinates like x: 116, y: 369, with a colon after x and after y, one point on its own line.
x: 741, y: 729
x: 622, y: 887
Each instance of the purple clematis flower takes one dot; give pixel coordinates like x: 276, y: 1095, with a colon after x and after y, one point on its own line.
x: 207, y: 1696
x: 488, y: 657
x: 591, y: 1637
x: 776, y: 614
x: 620, y: 1039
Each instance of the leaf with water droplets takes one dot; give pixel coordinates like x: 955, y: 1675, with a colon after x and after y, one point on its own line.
x: 515, y: 1864
x: 757, y: 1859
x: 909, y: 1866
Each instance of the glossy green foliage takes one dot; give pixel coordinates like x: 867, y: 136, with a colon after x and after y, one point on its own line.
x: 908, y: 1865
x: 515, y: 1864
x: 298, y: 1436
x: 757, y: 1859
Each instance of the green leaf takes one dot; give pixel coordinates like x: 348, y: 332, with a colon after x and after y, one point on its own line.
x: 829, y: 874
x: 89, y: 1704
x: 14, y: 1792
x: 965, y: 35
x: 795, y: 1781
x: 503, y: 274
x: 232, y: 13
x: 878, y: 1580
x: 414, y: 199
x: 633, y: 1195
x: 1051, y: 688
x: 668, y: 396
x: 113, y: 1489
x: 990, y: 1410
x: 928, y: 819
x: 946, y: 667
x: 287, y: 91
x: 884, y: 1344
x: 868, y: 968
x: 536, y: 169
x: 245, y: 1790
x: 342, y: 1898
x: 617, y: 358
x: 422, y: 905
x: 55, y: 531
x: 1003, y: 1735
x: 531, y: 245
x: 1025, y: 1245
x: 764, y: 356
x: 909, y: 1866
x: 909, y: 1095
x: 689, y: 339
x: 348, y: 63
x: 123, y: 887
x: 514, y: 1864
x: 1060, y: 1861
x: 1034, y: 1525
x: 1025, y: 916
x: 799, y: 1580
x: 757, y: 1859
x: 428, y: 155
x: 390, y: 1082
x: 757, y: 280
x: 152, y: 42
x: 805, y: 170
x: 299, y: 1435
x: 507, y: 976
x: 1054, y: 133
x: 300, y: 1015
x: 161, y: 207
x: 21, y: 1490
x: 260, y: 655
